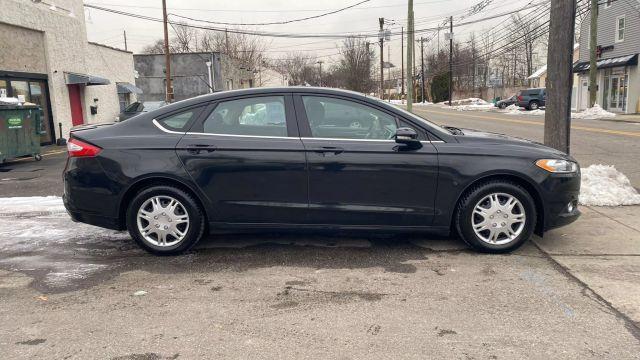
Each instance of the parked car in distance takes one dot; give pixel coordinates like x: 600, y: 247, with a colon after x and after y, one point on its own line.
x: 504, y: 103
x: 138, y: 107
x: 532, y: 99
x: 314, y: 159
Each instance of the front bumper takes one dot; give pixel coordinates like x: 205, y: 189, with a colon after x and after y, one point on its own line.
x: 560, y: 194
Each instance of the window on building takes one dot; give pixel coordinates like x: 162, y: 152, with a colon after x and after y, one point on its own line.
x: 607, y: 4
x: 4, y: 89
x: 258, y: 116
x: 620, y: 25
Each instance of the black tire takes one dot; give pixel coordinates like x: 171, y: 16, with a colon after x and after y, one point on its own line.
x: 464, y: 214
x: 534, y: 105
x: 37, y: 157
x: 194, y: 232
x: 503, y: 106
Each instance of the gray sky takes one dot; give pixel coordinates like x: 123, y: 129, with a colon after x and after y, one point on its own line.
x: 107, y: 28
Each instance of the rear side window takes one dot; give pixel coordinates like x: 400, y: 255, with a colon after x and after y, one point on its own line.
x: 257, y: 116
x: 180, y: 121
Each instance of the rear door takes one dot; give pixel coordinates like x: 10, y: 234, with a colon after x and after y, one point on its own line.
x: 358, y: 174
x: 247, y: 157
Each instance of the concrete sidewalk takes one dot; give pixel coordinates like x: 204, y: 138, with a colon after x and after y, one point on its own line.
x: 602, y: 251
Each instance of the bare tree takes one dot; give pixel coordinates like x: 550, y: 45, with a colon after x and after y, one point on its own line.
x: 157, y: 47
x: 248, y: 50
x: 355, y: 65
x: 299, y: 69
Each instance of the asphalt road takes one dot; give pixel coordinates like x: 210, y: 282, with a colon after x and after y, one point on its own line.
x: 592, y: 141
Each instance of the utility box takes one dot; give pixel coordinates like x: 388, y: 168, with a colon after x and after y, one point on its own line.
x: 20, y: 129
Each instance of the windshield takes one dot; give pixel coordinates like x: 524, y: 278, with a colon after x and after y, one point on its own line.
x: 133, y: 107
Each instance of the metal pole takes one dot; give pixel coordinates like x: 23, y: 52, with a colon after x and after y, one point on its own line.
x: 402, y: 61
x: 593, y: 46
x: 450, y: 59
x: 167, y: 55
x: 381, y: 20
x: 124, y: 32
x: 389, y: 70
x: 320, y: 63
x: 422, y: 66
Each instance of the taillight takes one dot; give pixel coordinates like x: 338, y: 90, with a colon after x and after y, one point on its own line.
x: 519, y: 97
x: 77, y: 148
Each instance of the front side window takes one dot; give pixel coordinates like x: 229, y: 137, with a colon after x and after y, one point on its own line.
x: 258, y: 116
x: 620, y: 25
x: 342, y: 119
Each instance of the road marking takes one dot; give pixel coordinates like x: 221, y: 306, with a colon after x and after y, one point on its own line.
x: 529, y: 122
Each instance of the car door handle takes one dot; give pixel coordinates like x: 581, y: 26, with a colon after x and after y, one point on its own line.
x: 198, y: 148
x: 328, y: 150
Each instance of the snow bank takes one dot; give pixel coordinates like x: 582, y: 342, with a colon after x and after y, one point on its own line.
x: 403, y: 102
x: 467, y: 101
x: 14, y: 205
x: 595, y: 112
x: 603, y: 185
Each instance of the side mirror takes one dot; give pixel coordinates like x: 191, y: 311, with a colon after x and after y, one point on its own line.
x: 407, y: 136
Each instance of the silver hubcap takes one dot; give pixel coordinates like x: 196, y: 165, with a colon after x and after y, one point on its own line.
x: 498, y: 218
x: 163, y: 221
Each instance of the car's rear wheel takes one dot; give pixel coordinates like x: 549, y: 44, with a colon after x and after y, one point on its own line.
x: 534, y: 105
x: 503, y: 106
x: 165, y: 220
x: 497, y: 217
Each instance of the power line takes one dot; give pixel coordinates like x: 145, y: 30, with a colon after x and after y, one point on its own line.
x: 273, y: 22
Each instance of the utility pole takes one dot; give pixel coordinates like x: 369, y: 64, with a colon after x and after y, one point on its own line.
x: 593, y: 46
x: 389, y: 70
x: 402, y: 60
x: 410, y: 56
x: 124, y: 33
x: 167, y: 55
x: 450, y: 59
x: 422, y: 67
x: 381, y: 36
x: 557, y: 118
x: 226, y: 40
x: 320, y: 63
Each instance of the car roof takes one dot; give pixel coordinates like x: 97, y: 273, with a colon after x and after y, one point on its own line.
x: 264, y: 91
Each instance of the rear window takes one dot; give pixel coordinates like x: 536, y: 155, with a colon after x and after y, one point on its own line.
x: 181, y: 120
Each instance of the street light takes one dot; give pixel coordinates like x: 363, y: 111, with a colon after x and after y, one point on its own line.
x: 209, y: 63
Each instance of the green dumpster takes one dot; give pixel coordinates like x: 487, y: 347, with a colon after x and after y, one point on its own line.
x: 20, y: 128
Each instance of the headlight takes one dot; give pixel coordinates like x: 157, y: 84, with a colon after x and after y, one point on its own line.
x: 557, y: 166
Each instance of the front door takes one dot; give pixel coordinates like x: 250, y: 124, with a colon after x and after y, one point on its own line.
x: 617, y: 93
x: 75, y: 102
x: 247, y: 157
x: 358, y: 174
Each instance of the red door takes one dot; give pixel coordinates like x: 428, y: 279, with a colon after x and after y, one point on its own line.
x: 77, y: 118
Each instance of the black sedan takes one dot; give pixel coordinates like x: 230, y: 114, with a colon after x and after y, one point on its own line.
x: 311, y: 159
x: 503, y: 104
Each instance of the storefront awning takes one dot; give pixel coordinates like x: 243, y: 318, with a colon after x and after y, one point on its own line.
x: 127, y: 88
x: 608, y: 63
x: 84, y: 79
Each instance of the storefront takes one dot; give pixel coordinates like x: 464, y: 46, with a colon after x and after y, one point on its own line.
x: 32, y: 88
x: 615, y: 77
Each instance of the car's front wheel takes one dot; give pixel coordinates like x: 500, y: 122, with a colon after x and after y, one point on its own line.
x: 165, y: 220
x: 496, y: 217
x: 503, y: 106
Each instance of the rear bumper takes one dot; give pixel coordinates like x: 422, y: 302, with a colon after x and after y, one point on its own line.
x: 89, y: 218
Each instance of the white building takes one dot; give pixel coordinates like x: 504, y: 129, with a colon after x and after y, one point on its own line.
x: 45, y: 57
x: 618, y: 44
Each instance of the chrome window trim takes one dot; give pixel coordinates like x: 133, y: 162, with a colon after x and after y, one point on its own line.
x: 157, y: 124
x: 242, y: 136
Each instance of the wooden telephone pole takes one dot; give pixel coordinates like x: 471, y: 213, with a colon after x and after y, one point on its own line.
x: 450, y: 59
x: 593, y: 46
x: 410, y: 56
x: 422, y: 68
x: 167, y: 55
x: 381, y: 20
x: 557, y: 118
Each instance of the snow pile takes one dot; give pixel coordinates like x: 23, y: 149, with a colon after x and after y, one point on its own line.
x: 595, y: 112
x: 50, y: 204
x: 473, y: 107
x: 467, y: 101
x: 514, y: 110
x: 404, y: 102
x: 603, y: 185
